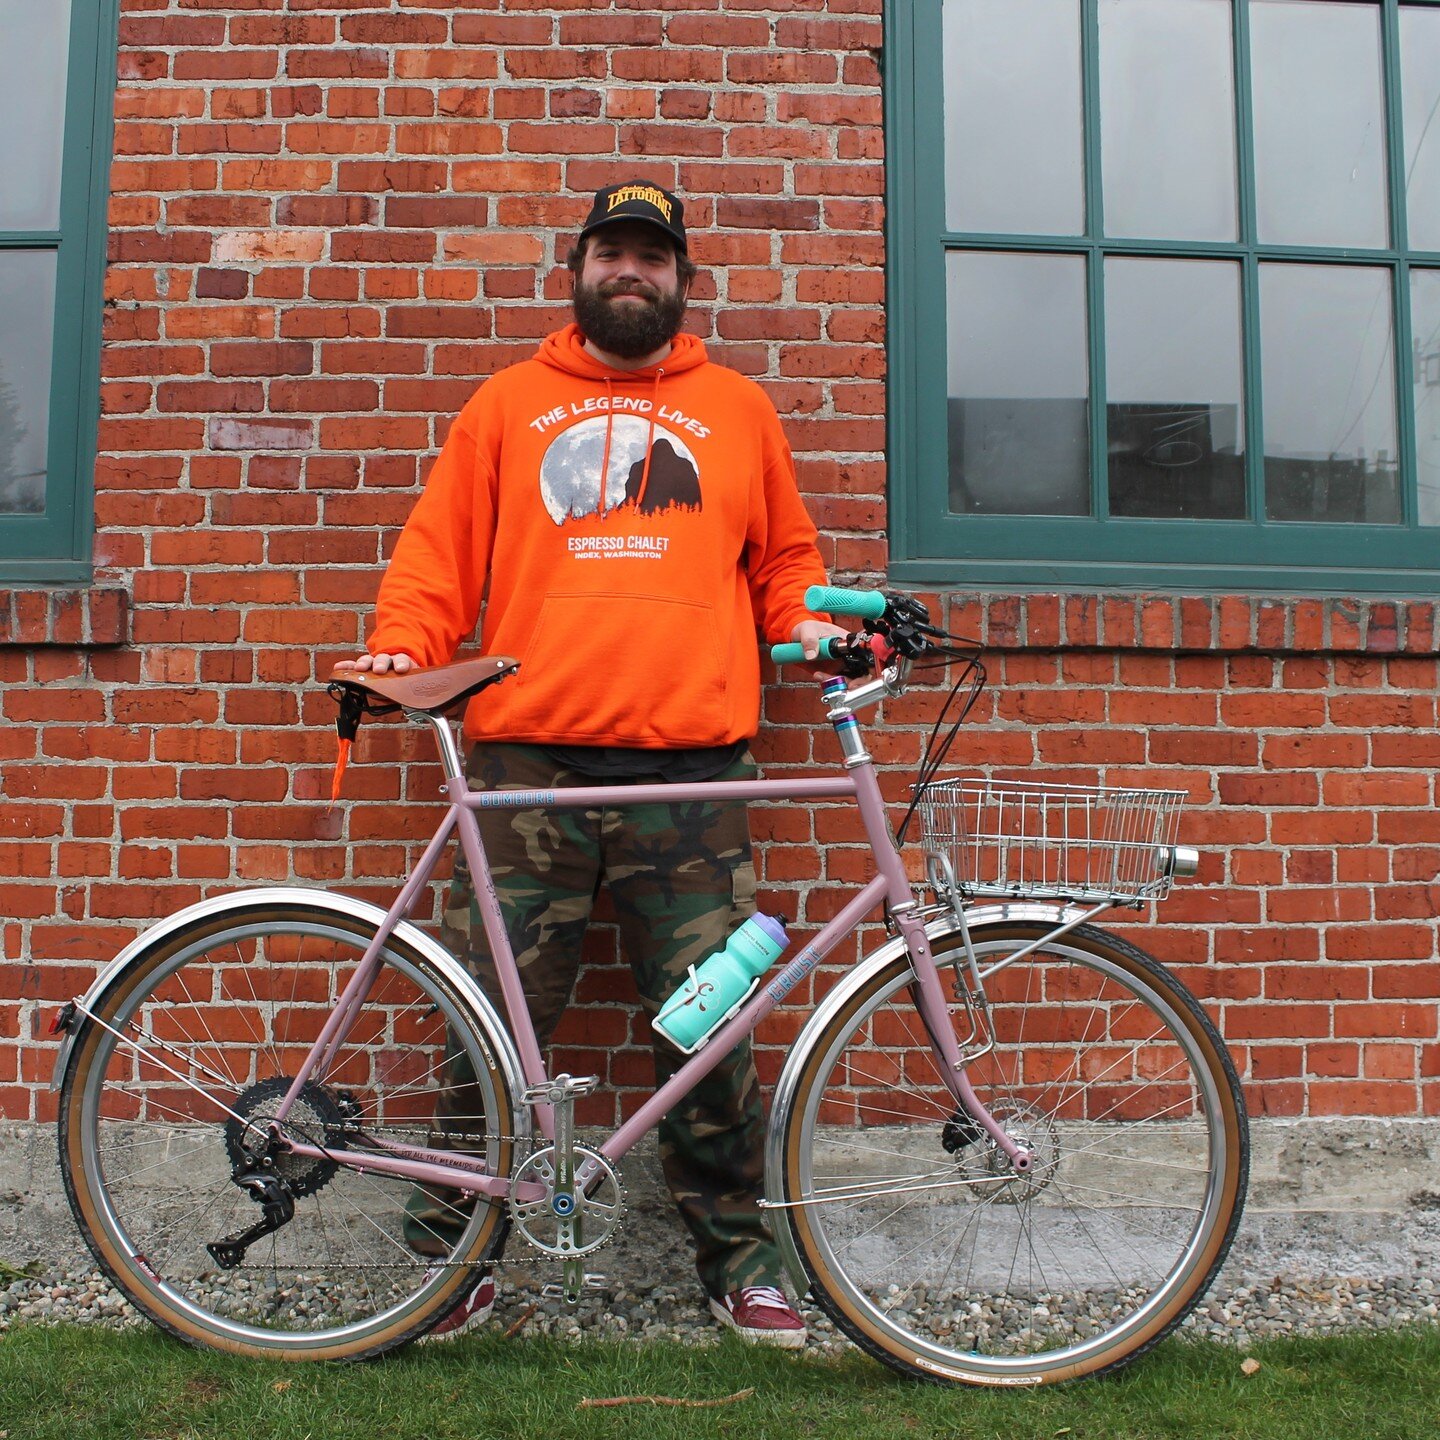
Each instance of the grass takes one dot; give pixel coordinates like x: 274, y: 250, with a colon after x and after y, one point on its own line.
x: 71, y: 1381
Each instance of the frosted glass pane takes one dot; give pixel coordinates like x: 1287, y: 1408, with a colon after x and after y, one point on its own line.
x: 1328, y: 378
x: 1319, y: 123
x: 34, y: 52
x: 1167, y: 119
x: 1175, y: 382
x: 27, y: 322
x: 1013, y: 130
x: 1018, y: 416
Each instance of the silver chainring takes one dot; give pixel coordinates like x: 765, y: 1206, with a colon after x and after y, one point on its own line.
x: 599, y: 1204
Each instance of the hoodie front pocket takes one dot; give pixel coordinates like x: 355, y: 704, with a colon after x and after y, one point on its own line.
x: 623, y: 669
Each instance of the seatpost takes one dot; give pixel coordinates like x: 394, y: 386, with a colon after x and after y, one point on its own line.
x: 444, y: 739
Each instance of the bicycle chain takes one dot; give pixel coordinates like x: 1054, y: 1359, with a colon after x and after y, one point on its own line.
x: 472, y: 1136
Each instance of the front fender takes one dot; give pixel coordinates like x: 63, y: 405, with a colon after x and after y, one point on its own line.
x: 343, y: 906
x: 977, y: 917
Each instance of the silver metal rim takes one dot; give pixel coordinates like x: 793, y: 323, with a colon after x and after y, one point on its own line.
x: 932, y: 1356
x: 482, y: 1050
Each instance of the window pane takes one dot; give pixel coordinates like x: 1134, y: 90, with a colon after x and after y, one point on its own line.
x: 34, y: 44
x: 27, y: 317
x: 1319, y: 123
x: 1329, y: 390
x: 1167, y: 119
x: 1013, y: 134
x: 1420, y: 108
x: 1173, y: 376
x: 1425, y: 323
x: 1017, y: 416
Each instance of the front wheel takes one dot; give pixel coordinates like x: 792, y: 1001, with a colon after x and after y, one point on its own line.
x: 172, y: 1089
x: 924, y: 1245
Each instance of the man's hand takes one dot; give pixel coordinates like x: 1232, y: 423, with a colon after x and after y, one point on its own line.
x: 809, y: 633
x: 381, y: 664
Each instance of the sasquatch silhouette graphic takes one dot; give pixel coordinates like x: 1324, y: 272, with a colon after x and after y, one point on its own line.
x: 672, y: 481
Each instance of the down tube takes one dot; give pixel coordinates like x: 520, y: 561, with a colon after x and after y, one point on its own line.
x: 750, y: 1015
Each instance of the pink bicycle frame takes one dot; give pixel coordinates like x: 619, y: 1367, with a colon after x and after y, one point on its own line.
x: 889, y: 885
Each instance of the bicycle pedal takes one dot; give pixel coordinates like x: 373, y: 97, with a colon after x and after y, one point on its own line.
x: 554, y: 1290
x: 561, y: 1088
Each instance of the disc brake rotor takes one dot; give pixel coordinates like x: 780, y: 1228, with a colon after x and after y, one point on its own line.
x: 1031, y: 1131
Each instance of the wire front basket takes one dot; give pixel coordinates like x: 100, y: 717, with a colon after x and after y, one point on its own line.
x: 1015, y: 838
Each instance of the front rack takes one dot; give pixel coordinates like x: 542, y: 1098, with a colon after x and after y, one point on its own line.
x: 1021, y: 839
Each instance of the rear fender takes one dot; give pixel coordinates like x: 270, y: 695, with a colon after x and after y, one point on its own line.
x: 236, y: 904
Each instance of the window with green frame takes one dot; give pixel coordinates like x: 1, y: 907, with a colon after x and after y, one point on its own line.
x: 57, y: 77
x: 1164, y: 293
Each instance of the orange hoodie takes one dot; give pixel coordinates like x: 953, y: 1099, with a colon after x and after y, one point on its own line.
x: 634, y: 527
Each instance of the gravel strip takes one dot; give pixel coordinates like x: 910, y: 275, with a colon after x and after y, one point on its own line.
x: 1240, y: 1314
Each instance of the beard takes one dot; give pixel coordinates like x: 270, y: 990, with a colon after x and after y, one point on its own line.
x: 626, y: 329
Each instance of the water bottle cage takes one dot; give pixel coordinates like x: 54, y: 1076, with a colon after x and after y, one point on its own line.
x: 713, y: 1026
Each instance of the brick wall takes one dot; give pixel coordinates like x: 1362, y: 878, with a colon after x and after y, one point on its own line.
x: 330, y: 219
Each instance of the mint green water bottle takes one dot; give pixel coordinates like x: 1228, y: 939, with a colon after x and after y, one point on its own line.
x: 719, y: 986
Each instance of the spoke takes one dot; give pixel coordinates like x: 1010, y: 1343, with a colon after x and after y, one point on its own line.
x: 904, y: 1186
x: 164, y: 1163
x: 1095, y: 1079
x: 183, y: 1055
x: 847, y: 1145
x: 1096, y: 1151
x: 370, y: 1220
x: 248, y: 971
x: 160, y: 1110
x: 1130, y: 1201
x: 1129, y: 1125
x: 160, y: 1064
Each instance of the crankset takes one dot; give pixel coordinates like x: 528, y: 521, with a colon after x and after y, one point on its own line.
x: 580, y: 1202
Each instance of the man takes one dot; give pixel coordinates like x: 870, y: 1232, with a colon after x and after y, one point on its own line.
x: 634, y: 510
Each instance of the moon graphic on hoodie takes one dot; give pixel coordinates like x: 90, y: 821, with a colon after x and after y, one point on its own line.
x: 570, y: 471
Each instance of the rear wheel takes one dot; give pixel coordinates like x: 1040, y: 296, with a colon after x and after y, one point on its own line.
x: 931, y: 1252
x: 168, y: 1100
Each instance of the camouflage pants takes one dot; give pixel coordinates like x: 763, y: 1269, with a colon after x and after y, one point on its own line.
x: 681, y: 878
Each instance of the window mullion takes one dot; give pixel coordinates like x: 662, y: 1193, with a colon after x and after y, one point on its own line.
x: 1250, y: 268
x: 1399, y: 239
x: 1094, y: 259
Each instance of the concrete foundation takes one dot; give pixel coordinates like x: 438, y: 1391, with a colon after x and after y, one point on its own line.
x: 1327, y: 1197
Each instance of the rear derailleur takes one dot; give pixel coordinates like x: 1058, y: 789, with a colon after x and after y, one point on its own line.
x: 271, y: 1193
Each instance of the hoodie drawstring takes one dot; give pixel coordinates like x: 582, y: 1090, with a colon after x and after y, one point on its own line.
x: 649, y: 437
x: 603, y: 508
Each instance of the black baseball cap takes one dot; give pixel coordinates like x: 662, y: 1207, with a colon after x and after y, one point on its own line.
x: 638, y: 200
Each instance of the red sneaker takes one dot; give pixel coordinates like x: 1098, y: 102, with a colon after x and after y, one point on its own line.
x: 761, y: 1315
x: 472, y: 1312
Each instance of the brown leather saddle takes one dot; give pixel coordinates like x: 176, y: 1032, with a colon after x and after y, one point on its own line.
x: 433, y: 689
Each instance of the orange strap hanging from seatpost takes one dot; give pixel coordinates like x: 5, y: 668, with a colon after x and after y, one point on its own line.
x: 347, y: 725
x: 341, y: 761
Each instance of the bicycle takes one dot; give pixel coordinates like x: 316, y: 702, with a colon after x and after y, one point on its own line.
x: 1007, y: 1148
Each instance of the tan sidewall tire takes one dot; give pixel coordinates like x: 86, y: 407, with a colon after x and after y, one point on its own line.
x: 120, y: 1269
x: 861, y: 1326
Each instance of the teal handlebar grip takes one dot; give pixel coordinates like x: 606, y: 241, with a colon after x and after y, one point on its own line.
x: 867, y: 603
x: 792, y: 654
